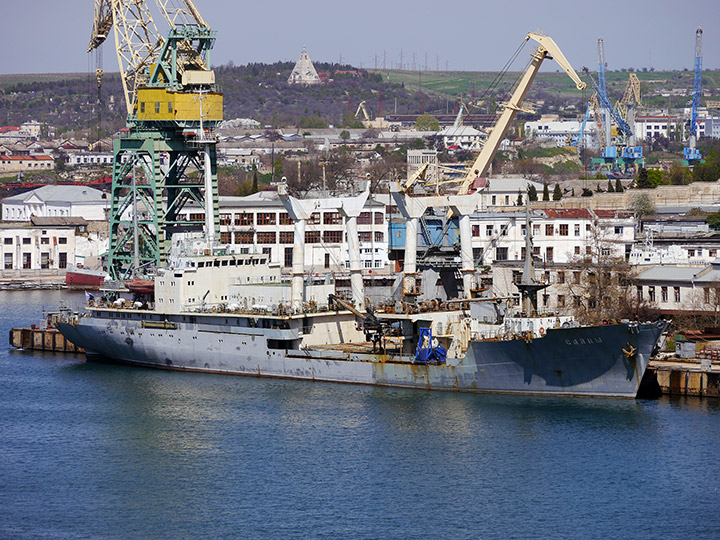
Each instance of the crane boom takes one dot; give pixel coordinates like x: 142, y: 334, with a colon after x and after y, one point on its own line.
x: 547, y: 48
x: 697, y: 84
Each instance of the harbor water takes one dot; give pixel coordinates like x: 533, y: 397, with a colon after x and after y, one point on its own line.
x: 112, y: 452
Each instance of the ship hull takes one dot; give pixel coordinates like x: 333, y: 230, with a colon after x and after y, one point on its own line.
x: 80, y: 278
x: 584, y: 361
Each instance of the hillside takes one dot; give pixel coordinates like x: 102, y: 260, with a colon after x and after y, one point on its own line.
x: 556, y: 87
x: 259, y: 91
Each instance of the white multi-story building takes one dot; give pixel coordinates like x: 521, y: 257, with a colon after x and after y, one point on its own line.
x: 687, y: 289
x: 47, y: 246
x: 465, y: 137
x: 560, y: 236
x: 75, y: 159
x: 57, y: 201
x: 259, y: 224
x: 558, y: 131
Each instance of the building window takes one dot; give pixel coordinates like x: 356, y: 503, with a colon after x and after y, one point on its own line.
x: 618, y: 230
x: 706, y: 294
x: 244, y: 237
x: 62, y: 260
x: 576, y: 278
x: 364, y: 218
x: 651, y: 294
x: 7, y: 241
x: 379, y: 236
x: 588, y: 250
x: 691, y: 252
x: 27, y: 261
x: 312, y: 237
x: 157, y: 107
x: 663, y: 294
x: 676, y: 294
x: 561, y: 300
x: 327, y: 260
x: 8, y: 263
x: 364, y: 236
x: 225, y: 219
x: 536, y: 229
x: 244, y: 219
x: 577, y: 229
x: 142, y: 106
x: 26, y: 241
x: 332, y: 218
x: 489, y: 230
x: 284, y: 219
x: 501, y: 254
x: 476, y: 230
x: 549, y: 254
x: 549, y: 229
x: 564, y: 229
x: 332, y: 237
x: 266, y: 237
x: 288, y: 256
x: 561, y: 277
x: 477, y: 255
x: 266, y: 218
x: 44, y: 260
x: 287, y: 237
x: 378, y: 218
x: 577, y: 250
x: 314, y: 219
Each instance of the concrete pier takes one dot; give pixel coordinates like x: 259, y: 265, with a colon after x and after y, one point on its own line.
x: 41, y: 339
x: 687, y: 377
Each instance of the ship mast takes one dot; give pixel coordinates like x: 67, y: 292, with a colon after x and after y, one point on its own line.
x: 528, y: 286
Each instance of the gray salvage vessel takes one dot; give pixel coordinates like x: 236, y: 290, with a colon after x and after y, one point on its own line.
x: 233, y: 329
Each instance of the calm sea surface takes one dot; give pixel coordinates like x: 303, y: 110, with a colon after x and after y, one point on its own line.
x: 99, y: 451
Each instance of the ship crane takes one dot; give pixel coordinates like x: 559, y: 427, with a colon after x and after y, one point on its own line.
x: 547, y: 48
x: 173, y: 106
x: 691, y: 154
x: 361, y: 108
x: 465, y: 202
x: 375, y: 329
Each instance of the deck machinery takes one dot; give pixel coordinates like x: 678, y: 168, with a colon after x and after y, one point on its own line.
x: 173, y: 106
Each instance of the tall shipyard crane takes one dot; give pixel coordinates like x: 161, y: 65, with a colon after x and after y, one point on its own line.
x: 173, y: 106
x: 690, y: 153
x: 624, y: 152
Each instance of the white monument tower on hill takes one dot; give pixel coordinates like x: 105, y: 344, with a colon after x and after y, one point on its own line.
x: 304, y: 71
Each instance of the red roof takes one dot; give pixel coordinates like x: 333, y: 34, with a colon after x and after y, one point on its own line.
x: 27, y: 158
x: 568, y: 213
x: 612, y: 213
x: 6, y: 129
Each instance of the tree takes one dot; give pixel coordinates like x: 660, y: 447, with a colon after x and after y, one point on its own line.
x: 642, y: 181
x: 255, y: 181
x: 532, y: 193
x: 519, y: 201
x: 345, y: 135
x: 642, y: 204
x: 598, y: 189
x: 557, y: 193
x: 546, y: 193
x: 587, y: 192
x: 427, y: 122
x: 713, y: 220
x: 618, y: 186
x: 610, y: 188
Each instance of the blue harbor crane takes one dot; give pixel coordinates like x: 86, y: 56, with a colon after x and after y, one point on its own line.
x: 691, y: 155
x: 611, y: 156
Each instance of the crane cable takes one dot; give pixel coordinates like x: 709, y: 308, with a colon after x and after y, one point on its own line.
x: 499, y: 77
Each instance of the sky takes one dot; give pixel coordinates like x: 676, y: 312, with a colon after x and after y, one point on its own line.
x: 51, y: 36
